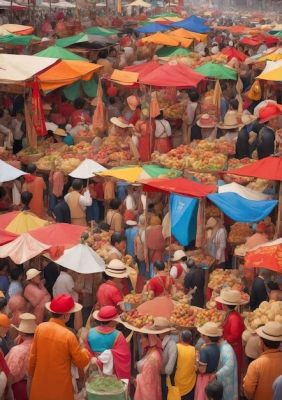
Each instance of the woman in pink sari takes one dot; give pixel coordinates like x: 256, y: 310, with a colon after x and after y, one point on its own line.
x: 148, y: 380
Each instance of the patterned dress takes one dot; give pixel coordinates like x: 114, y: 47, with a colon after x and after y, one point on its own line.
x: 227, y: 372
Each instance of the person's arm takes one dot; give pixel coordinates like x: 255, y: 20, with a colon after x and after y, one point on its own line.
x: 228, y: 365
x: 85, y: 199
x: 80, y: 357
x: 172, y: 356
x: 251, y: 381
x: 117, y: 222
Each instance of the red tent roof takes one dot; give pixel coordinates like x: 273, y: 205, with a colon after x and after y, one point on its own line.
x: 267, y: 168
x: 179, y: 186
x: 6, y: 237
x: 251, y: 42
x: 6, y: 218
x: 143, y: 69
x: 231, y: 52
x: 173, y: 75
x: 267, y: 39
x: 65, y: 235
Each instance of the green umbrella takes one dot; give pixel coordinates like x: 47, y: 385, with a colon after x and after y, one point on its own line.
x: 278, y: 34
x: 17, y: 40
x: 68, y: 41
x: 172, y: 52
x: 218, y: 71
x: 59, y: 52
x: 97, y: 31
x: 155, y: 171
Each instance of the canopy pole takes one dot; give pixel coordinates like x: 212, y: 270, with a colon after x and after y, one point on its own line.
x: 279, y: 216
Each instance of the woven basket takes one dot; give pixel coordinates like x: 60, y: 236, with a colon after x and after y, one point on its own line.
x: 32, y: 158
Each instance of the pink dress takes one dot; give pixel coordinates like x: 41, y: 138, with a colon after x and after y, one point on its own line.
x: 37, y: 296
x: 149, y: 379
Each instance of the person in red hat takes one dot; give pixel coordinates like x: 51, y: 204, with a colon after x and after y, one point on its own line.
x: 269, y: 115
x: 54, y: 350
x: 108, y: 345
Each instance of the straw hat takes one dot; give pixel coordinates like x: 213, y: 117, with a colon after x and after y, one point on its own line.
x: 271, y: 330
x: 130, y: 222
x: 206, y: 121
x: 230, y: 297
x: 133, y: 102
x: 27, y: 323
x: 210, y: 329
x: 50, y: 126
x: 178, y: 255
x: 60, y: 132
x: 211, y: 223
x: 63, y: 304
x: 116, y: 269
x: 161, y: 323
x: 230, y: 120
x: 248, y: 118
x: 270, y: 111
x: 32, y: 273
x: 120, y: 122
x: 106, y: 313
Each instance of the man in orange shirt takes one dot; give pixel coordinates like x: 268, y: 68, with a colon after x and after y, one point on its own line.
x: 263, y: 371
x: 35, y: 185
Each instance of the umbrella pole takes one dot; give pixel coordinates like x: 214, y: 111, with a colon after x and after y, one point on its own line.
x: 279, y: 216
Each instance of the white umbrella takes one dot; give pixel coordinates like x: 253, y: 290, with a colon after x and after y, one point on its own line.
x: 8, y: 172
x: 140, y: 3
x: 87, y: 169
x: 81, y: 258
x: 243, y: 191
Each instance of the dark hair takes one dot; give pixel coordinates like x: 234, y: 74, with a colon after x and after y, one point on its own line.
x: 186, y: 336
x: 101, y: 322
x: 223, y: 86
x: 79, y: 103
x: 55, y: 315
x: 3, y: 265
x: 104, y: 226
x: 3, y: 303
x: 3, y: 192
x: 117, y: 237
x: 159, y: 265
x: 1, y: 112
x: 31, y: 168
x: 160, y: 116
x: 77, y: 184
x: 26, y: 198
x: 103, y: 54
x: 214, y: 390
x: 115, y: 204
x: 214, y: 339
x: 16, y: 273
x: 273, y: 285
x: 112, y: 100
x: 271, y: 344
x: 234, y: 104
x: 193, y: 94
x: 231, y: 306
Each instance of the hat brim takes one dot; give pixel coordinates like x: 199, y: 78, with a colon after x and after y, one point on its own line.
x: 178, y: 259
x: 229, y: 303
x: 227, y: 127
x: 249, y: 122
x: 115, y: 275
x: 115, y: 121
x: 206, y: 126
x: 77, y: 307
x: 95, y: 315
x: 148, y: 331
x: 204, y: 332
x: 28, y: 332
x: 29, y: 279
x: 264, y: 335
x: 61, y: 134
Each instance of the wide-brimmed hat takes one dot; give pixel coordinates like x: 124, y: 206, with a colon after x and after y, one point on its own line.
x: 32, y: 273
x: 270, y: 111
x: 211, y: 223
x: 130, y: 222
x: 106, y: 313
x: 230, y: 120
x: 27, y: 323
x: 133, y: 102
x: 161, y: 323
x: 116, y: 269
x: 178, y: 255
x: 248, y: 118
x: 206, y: 121
x: 63, y: 304
x: 51, y: 126
x: 60, y: 132
x: 271, y: 331
x: 210, y: 329
x: 230, y: 297
x: 120, y: 122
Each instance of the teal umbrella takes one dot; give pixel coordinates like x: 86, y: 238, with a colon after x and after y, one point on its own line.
x: 70, y: 40
x: 217, y: 71
x: 278, y: 34
x: 172, y: 52
x: 17, y: 40
x: 59, y: 52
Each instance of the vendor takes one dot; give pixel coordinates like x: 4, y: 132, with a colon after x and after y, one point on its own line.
x: 118, y: 246
x: 257, y: 238
x: 230, y: 125
x: 269, y: 115
x: 207, y: 123
x: 162, y: 135
x: 216, y: 240
x: 247, y: 137
x: 259, y: 291
x: 78, y: 202
x: 133, y: 112
x: 194, y: 282
x: 162, y: 284
x: 179, y: 267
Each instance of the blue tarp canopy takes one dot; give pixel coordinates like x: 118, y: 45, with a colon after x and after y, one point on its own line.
x: 193, y: 24
x: 153, y: 28
x: 240, y: 209
x: 183, y: 216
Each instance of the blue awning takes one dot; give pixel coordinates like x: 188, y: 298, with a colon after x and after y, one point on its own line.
x: 193, y: 24
x: 183, y: 217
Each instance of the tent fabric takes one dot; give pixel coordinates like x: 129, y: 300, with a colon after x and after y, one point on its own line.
x: 20, y: 68
x: 125, y: 77
x: 129, y: 174
x: 8, y: 172
x: 173, y: 75
x: 183, y: 216
x: 65, y: 235
x: 59, y: 4
x: 23, y: 249
x: 152, y: 28
x: 17, y: 40
x: 278, y: 34
x: 59, y: 52
x: 139, y: 3
x: 169, y: 52
x: 20, y: 222
x: 65, y: 73
x: 143, y: 69
x: 79, y: 38
x: 267, y: 168
x: 6, y: 237
x: 217, y: 71
x: 242, y: 191
x: 189, y: 35
x: 81, y: 258
x: 161, y: 39
x: 192, y: 24
x: 6, y: 218
x: 99, y: 31
x: 251, y: 42
x: 87, y: 169
x: 184, y: 42
x: 273, y: 56
x: 268, y: 255
x: 272, y: 71
x: 18, y: 29
x: 178, y: 186
x: 155, y: 171
x: 240, y: 209
x: 231, y: 52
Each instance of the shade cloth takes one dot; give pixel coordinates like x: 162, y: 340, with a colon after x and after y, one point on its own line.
x: 139, y: 3
x: 268, y: 255
x: 272, y: 71
x: 267, y: 168
x: 190, y: 35
x: 81, y: 258
x: 152, y: 28
x: 183, y: 216
x: 129, y: 174
x: 192, y: 24
x: 6, y: 237
x: 179, y: 186
x: 240, y: 209
x: 161, y: 39
x: 155, y: 170
x: 143, y: 69
x: 59, y: 52
x: 170, y: 52
x: 20, y: 222
x: 173, y: 75
x: 99, y: 31
x: 59, y: 4
x: 217, y: 71
x: 184, y: 42
x: 82, y: 38
x: 23, y: 249
x: 8, y: 172
x: 231, y: 52
x: 125, y: 77
x: 17, y: 40
x: 273, y: 56
x: 242, y: 191
x: 17, y: 29
x: 87, y: 169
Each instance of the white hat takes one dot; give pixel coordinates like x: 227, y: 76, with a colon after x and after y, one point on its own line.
x: 120, y: 122
x: 32, y: 273
x: 116, y: 269
x: 215, y: 50
x: 230, y: 297
x: 271, y: 330
x: 27, y: 323
x: 60, y: 132
x: 130, y: 222
x: 50, y: 126
x: 178, y: 255
x: 230, y: 120
x: 247, y: 118
x: 210, y: 329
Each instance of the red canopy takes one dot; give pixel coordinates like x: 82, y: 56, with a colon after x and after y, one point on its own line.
x: 6, y: 237
x: 231, y: 52
x: 65, y: 235
x: 179, y: 186
x: 143, y: 69
x: 267, y: 168
x: 267, y: 39
x: 173, y: 75
x: 6, y: 218
x: 267, y: 255
x: 251, y: 42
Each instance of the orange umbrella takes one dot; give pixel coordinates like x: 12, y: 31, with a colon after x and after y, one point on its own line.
x: 161, y: 38
x: 268, y: 255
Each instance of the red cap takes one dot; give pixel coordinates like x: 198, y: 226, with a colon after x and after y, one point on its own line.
x: 269, y: 112
x: 62, y: 304
x: 112, y: 91
x: 106, y: 313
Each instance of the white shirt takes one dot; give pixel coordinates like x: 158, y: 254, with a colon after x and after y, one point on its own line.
x: 220, y: 244
x: 16, y: 129
x: 85, y: 199
x: 64, y: 285
x: 173, y: 271
x: 130, y: 202
x: 163, y: 129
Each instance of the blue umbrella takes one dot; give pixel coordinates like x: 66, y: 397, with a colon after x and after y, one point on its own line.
x: 153, y: 28
x: 192, y: 24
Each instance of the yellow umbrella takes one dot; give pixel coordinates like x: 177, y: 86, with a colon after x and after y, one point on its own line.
x: 273, y: 75
x: 129, y: 174
x: 184, y: 42
x: 24, y: 222
x: 276, y: 56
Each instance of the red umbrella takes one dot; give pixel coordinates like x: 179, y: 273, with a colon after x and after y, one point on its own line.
x: 251, y: 42
x: 268, y: 168
x: 6, y: 237
x: 65, y: 235
x: 143, y: 69
x: 231, y: 52
x: 268, y: 255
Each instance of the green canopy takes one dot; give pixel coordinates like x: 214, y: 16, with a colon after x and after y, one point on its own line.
x: 68, y: 41
x: 218, y: 71
x: 278, y: 34
x: 97, y: 31
x: 17, y: 40
x: 155, y: 171
x: 59, y: 52
x: 74, y: 91
x: 172, y: 51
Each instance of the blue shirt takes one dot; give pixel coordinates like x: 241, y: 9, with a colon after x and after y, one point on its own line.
x: 130, y: 234
x: 69, y: 140
x: 15, y: 288
x: 4, y: 284
x: 209, y: 355
x: 223, y: 108
x: 121, y: 190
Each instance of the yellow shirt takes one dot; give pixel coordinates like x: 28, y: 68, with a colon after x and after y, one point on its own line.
x: 185, y: 376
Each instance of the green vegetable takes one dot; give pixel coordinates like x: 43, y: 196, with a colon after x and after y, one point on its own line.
x: 105, y: 384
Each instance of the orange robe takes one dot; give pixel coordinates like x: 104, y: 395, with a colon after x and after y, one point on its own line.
x: 36, y: 186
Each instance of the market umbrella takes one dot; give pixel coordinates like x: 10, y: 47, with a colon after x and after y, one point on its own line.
x: 267, y: 255
x: 269, y: 168
x: 17, y: 40
x: 23, y: 249
x: 82, y: 38
x: 17, y: 29
x: 242, y: 191
x: 59, y: 52
x: 8, y: 172
x: 200, y: 37
x: 64, y: 235
x: 274, y: 56
x: 87, y: 169
x: 170, y: 52
x: 192, y: 24
x: 144, y: 68
x: 152, y: 28
x: 99, y: 31
x: 129, y: 174
x: 231, y: 52
x: 161, y: 39
x: 21, y: 222
x: 81, y: 258
x: 6, y: 237
x: 217, y: 71
x: 278, y: 34
x: 139, y: 3
x: 272, y: 71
